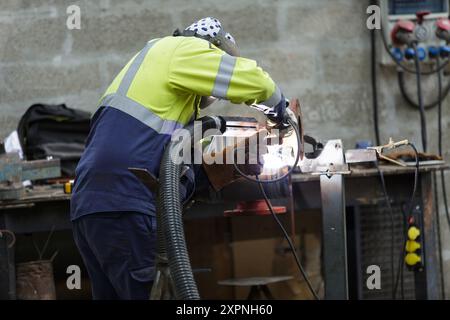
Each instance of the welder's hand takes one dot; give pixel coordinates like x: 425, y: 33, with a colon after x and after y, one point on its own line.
x: 289, y: 117
x: 284, y: 127
x: 276, y: 114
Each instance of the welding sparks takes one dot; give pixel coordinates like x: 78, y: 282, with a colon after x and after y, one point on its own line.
x: 278, y: 156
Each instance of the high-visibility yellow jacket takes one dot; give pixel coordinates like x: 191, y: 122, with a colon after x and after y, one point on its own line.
x: 170, y: 75
x: 158, y: 91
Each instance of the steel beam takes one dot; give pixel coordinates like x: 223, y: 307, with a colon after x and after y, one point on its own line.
x: 334, y: 237
x: 430, y: 238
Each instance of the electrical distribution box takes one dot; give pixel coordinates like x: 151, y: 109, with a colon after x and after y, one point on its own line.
x: 395, y: 10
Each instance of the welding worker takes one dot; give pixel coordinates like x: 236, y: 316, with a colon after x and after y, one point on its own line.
x: 159, y: 90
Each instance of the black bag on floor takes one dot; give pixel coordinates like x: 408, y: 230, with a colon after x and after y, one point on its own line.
x: 56, y: 131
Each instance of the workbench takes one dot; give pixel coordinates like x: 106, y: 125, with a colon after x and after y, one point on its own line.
x: 362, y: 190
x: 44, y: 208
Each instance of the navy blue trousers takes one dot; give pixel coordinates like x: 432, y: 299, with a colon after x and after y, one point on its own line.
x: 118, y: 250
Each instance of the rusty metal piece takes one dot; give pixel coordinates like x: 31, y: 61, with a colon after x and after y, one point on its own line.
x: 382, y: 156
x: 218, y: 158
x: 253, y: 208
x: 35, y: 280
x: 294, y: 105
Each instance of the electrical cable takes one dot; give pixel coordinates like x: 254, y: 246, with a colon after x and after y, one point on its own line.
x: 440, y: 98
x: 401, y: 265
x: 440, y: 140
x: 423, y: 122
x: 443, y: 184
x: 438, y: 231
x: 442, y: 94
x: 288, y: 239
x: 391, y: 214
x: 410, y: 101
x: 410, y: 209
x: 444, y: 193
x: 373, y: 60
x: 403, y: 67
x: 438, y: 102
x: 269, y: 204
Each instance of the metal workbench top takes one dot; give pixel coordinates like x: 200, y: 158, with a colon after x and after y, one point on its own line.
x: 55, y: 192
x: 357, y: 171
x: 39, y: 193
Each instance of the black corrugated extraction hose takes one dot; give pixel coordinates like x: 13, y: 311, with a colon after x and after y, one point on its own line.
x: 170, y: 209
x: 172, y: 226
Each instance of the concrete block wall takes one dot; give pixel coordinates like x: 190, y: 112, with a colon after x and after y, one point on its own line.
x: 316, y: 50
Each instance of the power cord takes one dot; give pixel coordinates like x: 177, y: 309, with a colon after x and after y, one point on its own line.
x: 288, y: 239
x: 391, y: 215
x: 373, y: 69
x: 409, y: 100
x: 410, y: 209
x: 443, y: 184
x: 396, y: 279
x: 423, y: 122
x: 269, y: 204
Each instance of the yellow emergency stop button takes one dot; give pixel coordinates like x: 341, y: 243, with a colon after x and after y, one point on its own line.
x: 411, y: 259
x: 413, y: 233
x: 412, y: 246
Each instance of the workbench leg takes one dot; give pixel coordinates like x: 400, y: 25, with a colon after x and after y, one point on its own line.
x: 334, y: 237
x: 431, y: 242
x: 7, y: 266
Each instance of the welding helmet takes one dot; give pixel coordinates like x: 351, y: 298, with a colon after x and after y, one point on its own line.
x: 211, y: 30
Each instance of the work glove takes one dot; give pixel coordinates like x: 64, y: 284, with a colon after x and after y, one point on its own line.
x: 276, y: 114
x: 281, y: 120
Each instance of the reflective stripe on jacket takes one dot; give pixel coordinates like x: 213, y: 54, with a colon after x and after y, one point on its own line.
x: 169, y: 76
